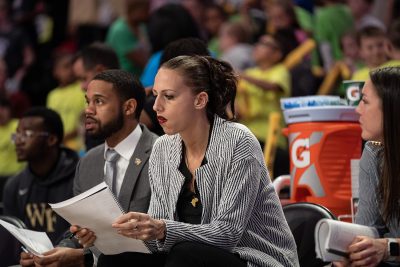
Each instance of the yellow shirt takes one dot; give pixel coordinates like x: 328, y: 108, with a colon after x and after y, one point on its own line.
x: 258, y: 103
x: 361, y: 74
x: 8, y: 157
x: 392, y: 63
x: 69, y: 102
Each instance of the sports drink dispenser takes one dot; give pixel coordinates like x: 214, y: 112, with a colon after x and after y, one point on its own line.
x: 322, y: 142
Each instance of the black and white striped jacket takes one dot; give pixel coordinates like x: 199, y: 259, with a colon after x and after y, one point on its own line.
x: 241, y: 211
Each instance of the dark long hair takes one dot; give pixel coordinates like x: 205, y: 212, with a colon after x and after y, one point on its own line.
x: 213, y: 76
x: 387, y: 84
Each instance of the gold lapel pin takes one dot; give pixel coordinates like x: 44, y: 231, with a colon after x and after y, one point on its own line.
x: 138, y: 161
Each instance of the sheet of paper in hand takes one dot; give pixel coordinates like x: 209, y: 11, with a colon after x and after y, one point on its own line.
x: 332, y: 238
x: 96, y: 209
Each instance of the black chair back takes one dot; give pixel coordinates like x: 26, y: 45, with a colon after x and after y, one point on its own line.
x: 302, y: 218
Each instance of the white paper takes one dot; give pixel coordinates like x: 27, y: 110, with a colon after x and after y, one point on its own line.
x: 35, y: 242
x: 332, y: 238
x: 96, y: 209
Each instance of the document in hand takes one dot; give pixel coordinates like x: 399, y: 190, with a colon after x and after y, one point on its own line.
x: 35, y: 242
x: 332, y: 238
x: 96, y: 209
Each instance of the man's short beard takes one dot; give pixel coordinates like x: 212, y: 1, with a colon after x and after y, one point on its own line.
x: 110, y: 128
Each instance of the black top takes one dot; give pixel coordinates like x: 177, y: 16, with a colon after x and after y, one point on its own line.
x: 189, y: 207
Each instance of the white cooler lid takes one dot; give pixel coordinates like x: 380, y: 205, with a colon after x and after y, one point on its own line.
x: 321, y: 113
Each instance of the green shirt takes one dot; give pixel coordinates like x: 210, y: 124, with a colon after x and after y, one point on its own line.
x: 121, y: 38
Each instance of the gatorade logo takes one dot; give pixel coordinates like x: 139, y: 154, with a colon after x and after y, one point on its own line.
x: 353, y: 93
x: 300, y: 153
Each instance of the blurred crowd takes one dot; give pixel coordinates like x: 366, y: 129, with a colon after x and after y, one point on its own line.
x: 278, y: 48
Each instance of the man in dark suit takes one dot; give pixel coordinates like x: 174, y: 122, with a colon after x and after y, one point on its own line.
x: 114, y: 101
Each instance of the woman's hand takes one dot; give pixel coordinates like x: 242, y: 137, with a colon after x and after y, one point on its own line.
x: 368, y: 252
x: 140, y: 226
x: 85, y: 236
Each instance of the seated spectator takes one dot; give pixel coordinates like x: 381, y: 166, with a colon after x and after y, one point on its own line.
x: 234, y: 39
x: 393, y: 45
x: 371, y: 41
x: 8, y: 158
x: 351, y: 52
x: 362, y: 14
x: 378, y: 205
x: 128, y: 36
x: 215, y: 16
x: 260, y: 89
x: 48, y: 176
x: 68, y: 100
x: 282, y: 16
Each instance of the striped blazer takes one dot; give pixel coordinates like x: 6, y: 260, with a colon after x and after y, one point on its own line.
x: 241, y: 211
x: 370, y: 206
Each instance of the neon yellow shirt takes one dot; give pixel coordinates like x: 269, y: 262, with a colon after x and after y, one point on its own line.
x: 69, y: 102
x: 8, y: 157
x: 391, y: 63
x: 259, y: 103
x: 361, y: 74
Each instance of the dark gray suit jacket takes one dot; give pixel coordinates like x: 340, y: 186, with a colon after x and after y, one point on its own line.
x: 135, y: 190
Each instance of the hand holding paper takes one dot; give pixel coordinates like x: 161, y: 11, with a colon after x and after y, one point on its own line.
x: 332, y: 238
x: 35, y: 242
x: 96, y: 209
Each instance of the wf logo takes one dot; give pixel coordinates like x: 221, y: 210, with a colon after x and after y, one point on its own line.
x: 40, y: 214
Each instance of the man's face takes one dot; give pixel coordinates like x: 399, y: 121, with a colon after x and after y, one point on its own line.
x: 30, y: 139
x: 83, y: 75
x: 104, y: 116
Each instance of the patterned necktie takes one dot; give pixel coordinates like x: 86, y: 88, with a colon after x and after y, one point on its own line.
x: 111, y: 169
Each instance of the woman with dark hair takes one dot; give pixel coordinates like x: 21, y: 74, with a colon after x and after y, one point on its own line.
x: 212, y: 201
x: 379, y: 204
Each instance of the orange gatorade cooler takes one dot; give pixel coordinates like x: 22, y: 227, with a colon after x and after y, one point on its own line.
x: 322, y: 142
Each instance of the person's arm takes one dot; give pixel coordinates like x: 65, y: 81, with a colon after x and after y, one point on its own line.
x: 263, y: 84
x: 368, y: 210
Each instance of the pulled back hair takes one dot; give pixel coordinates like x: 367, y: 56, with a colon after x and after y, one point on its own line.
x: 52, y: 122
x: 213, y: 76
x: 387, y: 84
x: 126, y: 85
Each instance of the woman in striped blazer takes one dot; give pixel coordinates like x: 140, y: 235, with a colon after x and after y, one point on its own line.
x: 212, y: 201
x: 379, y: 203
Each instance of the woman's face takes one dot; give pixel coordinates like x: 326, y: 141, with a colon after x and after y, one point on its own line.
x: 371, y: 115
x: 175, y: 102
